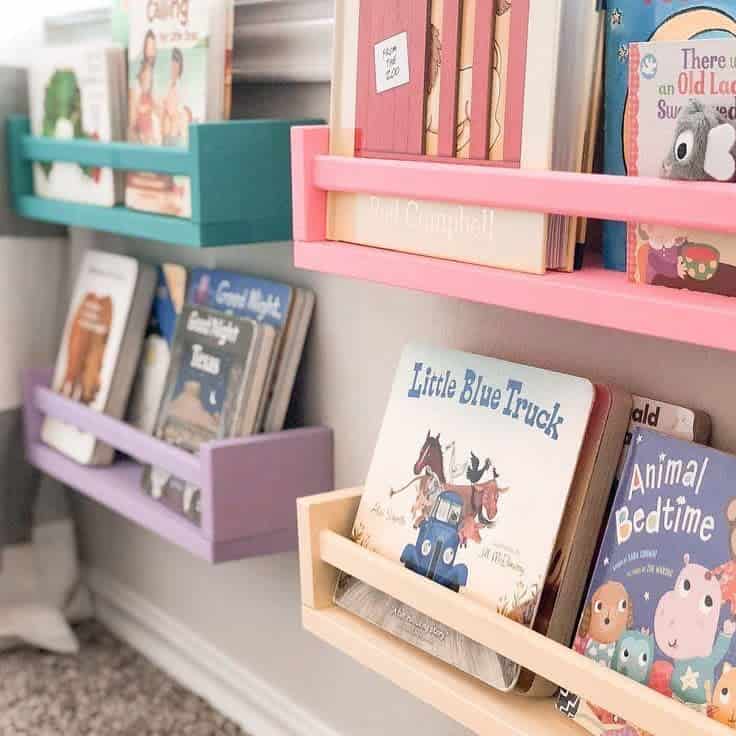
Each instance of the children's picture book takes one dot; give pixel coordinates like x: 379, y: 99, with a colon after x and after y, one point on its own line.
x: 669, y: 419
x: 177, y: 67
x: 629, y: 21
x: 287, y: 309
x: 154, y: 366
x: 682, y: 115
x: 100, y: 347
x: 462, y: 83
x: 76, y: 93
x: 218, y: 365
x: 661, y: 604
x: 451, y: 494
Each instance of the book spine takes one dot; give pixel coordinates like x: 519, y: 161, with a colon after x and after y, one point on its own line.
x: 449, y: 71
x: 514, y: 117
x: 631, y: 152
x: 480, y: 116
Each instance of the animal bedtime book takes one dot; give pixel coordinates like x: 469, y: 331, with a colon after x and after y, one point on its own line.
x: 681, y: 126
x: 452, y: 495
x: 662, y: 599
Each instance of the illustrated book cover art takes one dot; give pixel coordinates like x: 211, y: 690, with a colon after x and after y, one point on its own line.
x: 177, y: 67
x: 75, y: 93
x: 100, y: 347
x: 154, y: 366
x: 661, y: 602
x: 287, y: 309
x: 452, y: 496
x: 681, y: 126
x: 630, y: 21
x: 212, y: 368
x: 462, y: 83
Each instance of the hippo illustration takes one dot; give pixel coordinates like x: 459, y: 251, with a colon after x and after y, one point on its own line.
x: 686, y: 629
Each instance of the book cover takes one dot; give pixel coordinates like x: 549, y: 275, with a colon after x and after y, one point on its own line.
x: 660, y: 605
x: 629, y: 21
x: 91, y: 344
x: 262, y: 300
x: 74, y: 94
x: 172, y: 79
x: 204, y: 395
x: 683, y: 99
x: 151, y: 377
x: 452, y: 496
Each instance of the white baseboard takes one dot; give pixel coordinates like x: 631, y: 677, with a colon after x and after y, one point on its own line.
x: 232, y: 689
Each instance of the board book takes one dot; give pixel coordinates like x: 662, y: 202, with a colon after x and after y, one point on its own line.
x: 452, y: 496
x: 629, y: 21
x: 661, y: 602
x: 216, y: 375
x: 100, y: 346
x: 582, y: 521
x: 151, y: 377
x: 462, y: 83
x: 287, y: 309
x: 669, y: 419
x: 76, y: 92
x: 178, y: 74
x: 683, y: 97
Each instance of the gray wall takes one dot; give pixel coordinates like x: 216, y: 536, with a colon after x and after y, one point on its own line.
x: 250, y: 609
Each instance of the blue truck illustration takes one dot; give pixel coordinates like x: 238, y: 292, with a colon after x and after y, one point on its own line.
x: 433, y: 554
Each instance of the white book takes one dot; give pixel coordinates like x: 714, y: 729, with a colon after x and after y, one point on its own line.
x: 76, y: 93
x: 467, y: 487
x: 100, y: 347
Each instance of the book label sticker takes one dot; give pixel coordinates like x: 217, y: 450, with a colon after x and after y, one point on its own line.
x: 392, y: 62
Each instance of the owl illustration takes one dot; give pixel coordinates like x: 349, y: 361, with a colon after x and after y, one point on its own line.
x: 703, y: 147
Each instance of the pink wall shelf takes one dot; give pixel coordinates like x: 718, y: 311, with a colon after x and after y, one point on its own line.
x: 249, y: 485
x: 593, y: 296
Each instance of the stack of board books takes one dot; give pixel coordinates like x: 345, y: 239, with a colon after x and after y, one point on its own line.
x: 213, y: 358
x: 497, y: 83
x: 178, y: 72
x: 452, y: 496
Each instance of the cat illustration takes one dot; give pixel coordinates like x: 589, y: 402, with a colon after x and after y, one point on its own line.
x: 722, y: 707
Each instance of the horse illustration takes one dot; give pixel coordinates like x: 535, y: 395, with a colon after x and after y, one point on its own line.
x: 480, y: 500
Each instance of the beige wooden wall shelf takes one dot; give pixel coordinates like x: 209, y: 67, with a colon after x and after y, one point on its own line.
x: 325, y: 548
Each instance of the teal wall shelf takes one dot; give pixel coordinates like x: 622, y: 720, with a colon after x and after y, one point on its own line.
x: 240, y: 172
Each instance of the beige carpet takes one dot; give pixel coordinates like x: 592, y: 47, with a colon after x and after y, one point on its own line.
x: 108, y: 689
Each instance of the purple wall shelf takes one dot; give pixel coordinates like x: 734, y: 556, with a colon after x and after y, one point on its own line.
x: 249, y: 485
